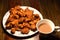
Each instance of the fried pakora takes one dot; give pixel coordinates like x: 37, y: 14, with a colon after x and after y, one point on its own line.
x: 25, y: 30
x: 29, y: 13
x: 15, y: 22
x: 33, y: 27
x: 12, y: 30
x: 22, y: 20
x: 26, y: 25
x: 17, y: 29
x: 8, y: 26
x: 20, y: 26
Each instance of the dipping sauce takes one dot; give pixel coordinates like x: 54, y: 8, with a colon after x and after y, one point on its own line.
x: 45, y: 28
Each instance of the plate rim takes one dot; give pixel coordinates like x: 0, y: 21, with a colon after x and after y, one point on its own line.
x: 22, y: 36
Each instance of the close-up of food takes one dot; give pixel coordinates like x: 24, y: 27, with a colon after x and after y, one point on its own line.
x: 22, y: 20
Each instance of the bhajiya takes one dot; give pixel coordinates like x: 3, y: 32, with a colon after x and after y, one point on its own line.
x: 25, y: 30
x: 22, y: 20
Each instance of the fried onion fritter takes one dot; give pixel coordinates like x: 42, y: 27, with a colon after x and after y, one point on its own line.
x: 22, y: 20
x: 12, y: 30
x: 25, y: 31
x: 33, y: 27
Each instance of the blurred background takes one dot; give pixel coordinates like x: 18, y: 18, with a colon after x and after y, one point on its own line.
x: 50, y: 9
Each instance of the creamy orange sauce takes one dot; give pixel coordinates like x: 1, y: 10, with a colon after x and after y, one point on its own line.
x: 45, y: 28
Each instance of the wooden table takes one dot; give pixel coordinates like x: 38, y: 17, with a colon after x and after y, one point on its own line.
x: 50, y: 9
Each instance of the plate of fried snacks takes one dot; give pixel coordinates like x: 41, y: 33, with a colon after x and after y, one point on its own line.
x: 21, y: 21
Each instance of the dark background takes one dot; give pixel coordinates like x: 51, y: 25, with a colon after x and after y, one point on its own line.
x: 50, y: 9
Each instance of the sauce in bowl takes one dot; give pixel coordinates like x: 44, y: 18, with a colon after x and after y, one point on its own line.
x: 44, y: 28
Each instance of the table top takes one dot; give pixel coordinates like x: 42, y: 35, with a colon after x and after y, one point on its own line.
x: 50, y: 9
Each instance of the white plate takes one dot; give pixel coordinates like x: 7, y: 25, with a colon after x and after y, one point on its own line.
x: 17, y: 33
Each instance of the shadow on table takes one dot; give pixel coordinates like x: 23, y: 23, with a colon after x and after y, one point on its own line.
x: 51, y: 36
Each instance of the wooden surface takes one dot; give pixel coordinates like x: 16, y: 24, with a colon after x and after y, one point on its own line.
x: 50, y: 9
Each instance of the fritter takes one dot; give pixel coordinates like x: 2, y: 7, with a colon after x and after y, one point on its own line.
x: 25, y: 30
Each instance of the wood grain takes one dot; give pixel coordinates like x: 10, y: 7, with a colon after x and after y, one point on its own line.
x: 50, y: 9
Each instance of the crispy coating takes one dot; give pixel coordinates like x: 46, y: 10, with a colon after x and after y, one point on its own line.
x: 16, y: 16
x: 22, y: 20
x: 17, y: 29
x: 25, y: 31
x: 20, y: 26
x: 14, y: 22
x: 12, y: 30
x: 26, y: 25
x: 35, y: 21
x: 27, y: 19
x: 33, y: 27
x: 13, y: 11
x: 8, y: 26
x: 31, y: 22
x: 10, y: 19
x: 35, y: 16
x: 29, y: 13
